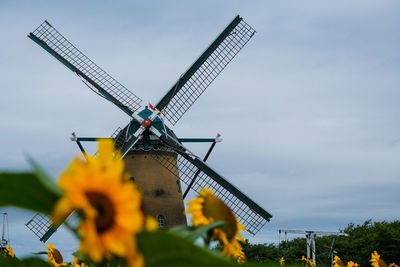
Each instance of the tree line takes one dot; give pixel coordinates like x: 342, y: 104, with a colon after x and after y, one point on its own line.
x: 363, y: 239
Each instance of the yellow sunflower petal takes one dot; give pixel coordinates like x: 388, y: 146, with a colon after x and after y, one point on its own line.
x: 151, y: 224
x: 10, y: 252
x: 136, y: 260
x: 116, y: 241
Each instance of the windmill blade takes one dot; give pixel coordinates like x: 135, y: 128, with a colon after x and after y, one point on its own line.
x: 129, y: 144
x: 96, y: 78
x: 41, y: 226
x: 251, y: 215
x: 205, y: 69
x: 119, y: 136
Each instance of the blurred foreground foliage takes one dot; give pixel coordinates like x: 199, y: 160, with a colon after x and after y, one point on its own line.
x: 178, y: 247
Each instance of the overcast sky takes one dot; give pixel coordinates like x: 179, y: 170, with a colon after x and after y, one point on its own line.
x: 308, y: 109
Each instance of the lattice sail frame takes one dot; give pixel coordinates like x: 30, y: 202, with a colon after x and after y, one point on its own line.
x: 246, y: 215
x: 198, y: 82
x: 39, y: 224
x: 57, y: 45
x: 119, y: 137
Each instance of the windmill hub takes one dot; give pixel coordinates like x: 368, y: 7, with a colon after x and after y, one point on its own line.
x: 146, y: 123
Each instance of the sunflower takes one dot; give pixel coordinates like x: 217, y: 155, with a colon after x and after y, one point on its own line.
x: 8, y: 252
x: 352, y: 264
x: 337, y: 262
x: 78, y: 263
x: 311, y: 263
x: 282, y: 261
x: 54, y: 257
x: 110, y: 205
x: 206, y: 209
x: 376, y: 260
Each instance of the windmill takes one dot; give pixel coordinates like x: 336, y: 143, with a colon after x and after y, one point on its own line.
x: 153, y: 154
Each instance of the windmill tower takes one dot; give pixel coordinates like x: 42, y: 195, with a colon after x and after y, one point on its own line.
x: 154, y: 155
x: 162, y: 200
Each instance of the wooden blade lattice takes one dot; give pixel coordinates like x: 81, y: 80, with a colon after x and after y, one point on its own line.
x: 39, y: 224
x: 252, y: 220
x: 95, y: 77
x: 203, y: 72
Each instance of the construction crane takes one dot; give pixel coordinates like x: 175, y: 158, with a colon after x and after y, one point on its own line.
x: 310, y: 238
x: 4, y: 242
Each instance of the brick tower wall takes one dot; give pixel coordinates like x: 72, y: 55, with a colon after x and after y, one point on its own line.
x: 162, y: 191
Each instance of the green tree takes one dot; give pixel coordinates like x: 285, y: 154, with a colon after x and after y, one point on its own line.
x: 293, y: 250
x: 384, y: 237
x: 261, y: 252
x: 363, y: 239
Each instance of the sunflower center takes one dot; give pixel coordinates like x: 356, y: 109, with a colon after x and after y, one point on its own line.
x: 105, y: 211
x: 215, y: 208
x: 57, y: 256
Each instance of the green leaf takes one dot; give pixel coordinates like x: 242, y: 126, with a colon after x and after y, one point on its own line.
x: 28, y: 262
x: 167, y: 249
x: 203, y: 230
x: 80, y: 256
x: 40, y: 253
x: 44, y: 178
x: 181, y: 230
x: 193, y: 234
x: 162, y: 249
x: 27, y: 191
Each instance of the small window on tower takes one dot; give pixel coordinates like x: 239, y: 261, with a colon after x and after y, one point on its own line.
x: 178, y: 185
x: 159, y: 192
x: 161, y: 221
